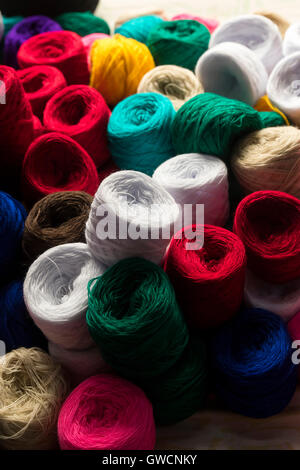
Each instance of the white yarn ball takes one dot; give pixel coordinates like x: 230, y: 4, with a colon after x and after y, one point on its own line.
x: 79, y: 364
x: 127, y: 196
x: 1, y: 26
x: 56, y: 295
x: 291, y: 41
x: 283, y: 87
x: 197, y: 179
x: 232, y: 70
x: 257, y: 33
x: 281, y: 299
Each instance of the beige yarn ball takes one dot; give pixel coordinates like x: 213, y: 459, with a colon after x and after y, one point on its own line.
x: 269, y: 159
x: 176, y: 83
x: 32, y: 390
x: 280, y: 22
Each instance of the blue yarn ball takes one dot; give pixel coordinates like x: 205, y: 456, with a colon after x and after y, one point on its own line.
x: 12, y: 218
x: 16, y: 327
x: 139, y: 28
x: 252, y: 358
x: 139, y: 132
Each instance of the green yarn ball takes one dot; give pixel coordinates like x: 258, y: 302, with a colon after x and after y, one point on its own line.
x: 82, y: 23
x: 181, y: 391
x: 271, y: 119
x: 134, y: 318
x: 211, y: 124
x: 179, y: 42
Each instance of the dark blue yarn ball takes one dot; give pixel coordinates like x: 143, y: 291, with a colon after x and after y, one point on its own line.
x: 12, y: 218
x: 16, y: 327
x: 252, y: 360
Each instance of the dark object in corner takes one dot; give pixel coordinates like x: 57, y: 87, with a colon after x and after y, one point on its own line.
x: 45, y: 7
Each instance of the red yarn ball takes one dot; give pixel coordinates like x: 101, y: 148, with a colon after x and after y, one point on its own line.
x: 61, y: 49
x: 82, y: 113
x: 268, y: 223
x: 55, y: 162
x: 208, y: 282
x: 40, y: 83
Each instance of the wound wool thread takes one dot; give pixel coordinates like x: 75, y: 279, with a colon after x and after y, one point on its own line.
x: 144, y: 215
x: 118, y: 65
x: 269, y: 159
x: 82, y: 113
x: 139, y: 132
x: 179, y: 42
x: 268, y: 222
x: 232, y: 70
x: 61, y: 49
x: 120, y: 416
x: 291, y: 38
x: 55, y: 293
x: 57, y: 219
x: 257, y: 33
x: 252, y: 358
x: 88, y: 42
x: 134, y: 303
x: 82, y: 23
x: 32, y: 390
x: 176, y: 83
x: 40, y: 83
x: 139, y: 28
x: 54, y: 162
x: 47, y: 7
x: 209, y: 280
x: 22, y: 31
x: 210, y: 23
x: 197, y: 179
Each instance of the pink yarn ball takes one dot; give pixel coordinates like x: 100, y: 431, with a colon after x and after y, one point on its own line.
x: 208, y: 22
x: 106, y: 412
x: 88, y: 42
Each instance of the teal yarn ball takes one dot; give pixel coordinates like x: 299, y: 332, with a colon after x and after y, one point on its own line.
x: 139, y: 28
x: 134, y: 318
x: 82, y: 23
x: 179, y: 42
x: 139, y: 132
x: 182, y: 390
x: 211, y: 124
x: 271, y: 119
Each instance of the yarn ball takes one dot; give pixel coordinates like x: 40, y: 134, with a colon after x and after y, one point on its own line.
x: 211, y: 124
x: 32, y: 390
x: 264, y: 105
x: 16, y: 327
x: 55, y: 293
x: 209, y: 279
x: 82, y: 23
x: 256, y: 32
x: 46, y: 7
x: 232, y: 70
x: 176, y: 83
x: 291, y: 39
x: 268, y: 224
x: 120, y: 416
x: 283, y: 87
x: 137, y: 13
x: 281, y: 299
x: 269, y: 159
x: 272, y: 119
x: 81, y: 112
x: 280, y: 22
x: 181, y: 391
x: 210, y: 23
x: 22, y: 31
x: 197, y: 179
x: 131, y: 216
x: 56, y: 219
x: 139, y: 28
x: 252, y: 360
x: 118, y: 65
x: 40, y: 83
x: 88, y: 42
x: 78, y: 365
x: 139, y: 132
x: 12, y: 217
x: 55, y: 162
x: 61, y: 49
x: 134, y: 303
x: 178, y: 42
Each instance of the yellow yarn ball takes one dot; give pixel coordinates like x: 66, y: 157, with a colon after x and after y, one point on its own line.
x: 264, y: 104
x: 118, y: 65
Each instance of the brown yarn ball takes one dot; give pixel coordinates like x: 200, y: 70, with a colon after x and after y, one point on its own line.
x: 56, y: 219
x: 281, y: 22
x: 32, y: 390
x: 269, y: 159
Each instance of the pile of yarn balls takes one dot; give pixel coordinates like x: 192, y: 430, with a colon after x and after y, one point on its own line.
x: 133, y: 125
